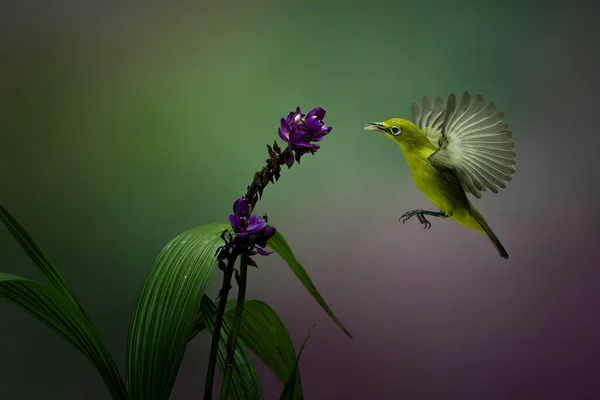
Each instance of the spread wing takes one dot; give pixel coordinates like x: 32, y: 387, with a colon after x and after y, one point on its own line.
x: 430, y: 118
x: 473, y: 139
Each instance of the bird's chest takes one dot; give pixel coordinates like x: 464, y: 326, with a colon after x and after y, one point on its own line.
x: 434, y: 183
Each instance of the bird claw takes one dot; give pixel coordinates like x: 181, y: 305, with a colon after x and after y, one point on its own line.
x: 406, y: 216
x: 426, y: 224
x: 420, y: 216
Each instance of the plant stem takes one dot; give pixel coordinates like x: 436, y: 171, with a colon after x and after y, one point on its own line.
x: 269, y: 173
x: 237, y: 323
x: 214, y: 344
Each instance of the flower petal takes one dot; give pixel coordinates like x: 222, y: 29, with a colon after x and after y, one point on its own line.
x: 240, y: 206
x: 255, y: 224
x: 285, y: 125
x: 318, y: 112
x: 269, y: 232
x: 263, y: 252
x: 302, y: 144
x: 242, y: 223
x: 318, y: 136
x: 233, y: 222
x: 283, y: 136
x: 297, y: 136
x: 293, y: 117
x: 284, y: 130
x: 313, y: 122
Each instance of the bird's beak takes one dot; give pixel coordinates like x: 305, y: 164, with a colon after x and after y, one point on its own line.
x: 375, y: 126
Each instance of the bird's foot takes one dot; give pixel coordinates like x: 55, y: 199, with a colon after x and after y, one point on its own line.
x: 420, y: 214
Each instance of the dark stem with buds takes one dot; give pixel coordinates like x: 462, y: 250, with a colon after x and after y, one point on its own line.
x: 214, y: 344
x: 227, y: 256
x: 302, y: 134
x: 270, y: 173
x: 237, y: 323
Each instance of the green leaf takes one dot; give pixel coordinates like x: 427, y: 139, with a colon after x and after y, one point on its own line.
x: 281, y: 247
x: 290, y: 386
x: 57, y: 311
x: 264, y: 333
x: 41, y: 260
x: 199, y: 325
x: 57, y: 307
x: 245, y: 383
x: 166, y: 309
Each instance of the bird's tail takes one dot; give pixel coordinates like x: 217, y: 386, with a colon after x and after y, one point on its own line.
x: 489, y: 232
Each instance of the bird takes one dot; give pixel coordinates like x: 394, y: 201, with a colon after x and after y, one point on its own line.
x: 454, y: 149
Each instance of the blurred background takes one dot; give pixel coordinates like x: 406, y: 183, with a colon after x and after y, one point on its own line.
x: 125, y: 123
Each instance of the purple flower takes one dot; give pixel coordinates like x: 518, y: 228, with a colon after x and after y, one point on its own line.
x: 300, y: 131
x: 315, y: 128
x: 250, y: 230
x: 295, y: 117
x: 261, y: 241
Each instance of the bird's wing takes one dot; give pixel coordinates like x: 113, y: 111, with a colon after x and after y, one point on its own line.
x: 474, y: 141
x: 430, y: 118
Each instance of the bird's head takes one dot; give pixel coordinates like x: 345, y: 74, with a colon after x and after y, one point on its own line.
x: 398, y: 129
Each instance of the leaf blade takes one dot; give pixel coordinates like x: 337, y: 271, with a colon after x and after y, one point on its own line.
x: 51, y: 307
x: 165, y: 311
x: 245, y: 384
x: 264, y: 333
x: 38, y: 256
x: 290, y: 386
x: 278, y: 244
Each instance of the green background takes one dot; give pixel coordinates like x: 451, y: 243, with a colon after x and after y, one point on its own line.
x: 124, y: 123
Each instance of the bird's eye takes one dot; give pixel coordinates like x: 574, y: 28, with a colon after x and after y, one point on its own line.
x: 395, y: 130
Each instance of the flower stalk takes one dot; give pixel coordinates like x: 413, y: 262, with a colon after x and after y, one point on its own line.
x: 300, y: 132
x: 214, y: 344
x: 237, y: 323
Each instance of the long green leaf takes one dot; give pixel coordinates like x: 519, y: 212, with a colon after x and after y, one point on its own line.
x: 58, y: 312
x: 39, y: 257
x: 61, y: 296
x: 245, y: 384
x: 281, y: 247
x: 166, y: 309
x: 290, y: 386
x: 264, y: 333
x: 199, y: 325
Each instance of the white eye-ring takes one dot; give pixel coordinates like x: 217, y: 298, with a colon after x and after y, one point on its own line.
x: 395, y: 131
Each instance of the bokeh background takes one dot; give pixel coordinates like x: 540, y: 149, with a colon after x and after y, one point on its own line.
x: 124, y: 123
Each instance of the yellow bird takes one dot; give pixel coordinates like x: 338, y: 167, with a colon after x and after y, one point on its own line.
x: 452, y: 150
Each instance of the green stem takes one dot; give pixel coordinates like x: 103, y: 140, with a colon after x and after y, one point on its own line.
x: 214, y: 344
x: 237, y: 323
